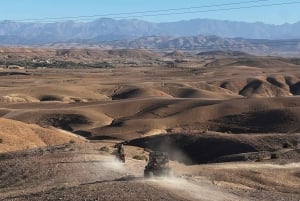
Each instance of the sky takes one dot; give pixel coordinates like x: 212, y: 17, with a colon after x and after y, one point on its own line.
x: 38, y: 10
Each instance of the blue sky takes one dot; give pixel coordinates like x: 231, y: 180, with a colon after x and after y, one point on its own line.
x: 37, y: 9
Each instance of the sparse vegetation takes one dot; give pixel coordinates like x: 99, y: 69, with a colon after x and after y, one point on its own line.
x: 290, y: 144
x: 140, y: 157
x: 43, y: 63
x: 100, y: 65
x: 72, y: 149
x: 275, y: 155
x: 260, y: 158
x: 104, y: 149
x: 1, y: 140
x: 40, y: 151
x: 72, y: 141
x: 287, y: 145
x: 3, y: 156
x: 295, y: 143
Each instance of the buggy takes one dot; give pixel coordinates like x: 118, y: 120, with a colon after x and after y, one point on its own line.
x: 158, y: 165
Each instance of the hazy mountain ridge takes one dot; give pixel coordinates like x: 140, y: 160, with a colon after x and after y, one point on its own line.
x: 106, y: 29
x: 200, y: 43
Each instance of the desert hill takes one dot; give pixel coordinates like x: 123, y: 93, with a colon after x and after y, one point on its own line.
x: 157, y: 99
x: 161, y: 115
x: 17, y: 135
x: 229, y: 121
x: 213, y: 147
x: 200, y: 93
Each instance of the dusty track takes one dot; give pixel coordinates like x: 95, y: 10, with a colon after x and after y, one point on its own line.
x: 73, y: 172
x: 81, y: 171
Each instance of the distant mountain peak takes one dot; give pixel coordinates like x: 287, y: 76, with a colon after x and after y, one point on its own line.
x: 42, y: 33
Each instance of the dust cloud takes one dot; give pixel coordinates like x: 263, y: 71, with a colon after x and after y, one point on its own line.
x: 113, y: 164
x: 200, y: 190
x: 108, y: 168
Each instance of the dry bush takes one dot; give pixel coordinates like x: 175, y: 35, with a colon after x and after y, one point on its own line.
x: 287, y: 145
x: 72, y: 141
x: 260, y: 158
x: 275, y: 155
x: 104, y: 149
x: 1, y: 140
x: 140, y: 157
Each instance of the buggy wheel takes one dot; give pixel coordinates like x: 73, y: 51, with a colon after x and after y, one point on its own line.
x: 148, y: 174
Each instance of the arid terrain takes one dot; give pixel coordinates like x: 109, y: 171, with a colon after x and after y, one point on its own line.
x: 230, y: 122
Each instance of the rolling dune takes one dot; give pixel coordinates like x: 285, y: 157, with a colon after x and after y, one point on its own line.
x: 126, y: 103
x: 16, y: 135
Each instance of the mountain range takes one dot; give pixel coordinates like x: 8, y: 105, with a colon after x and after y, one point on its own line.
x: 106, y: 29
